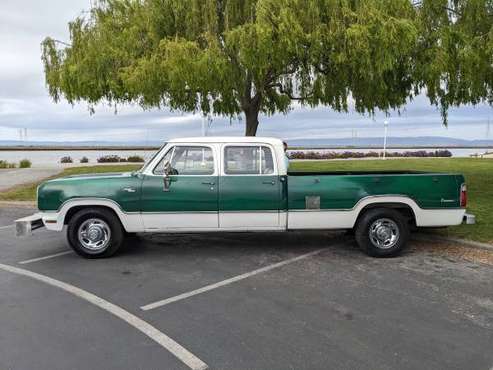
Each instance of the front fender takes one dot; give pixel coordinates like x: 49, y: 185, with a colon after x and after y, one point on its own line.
x: 131, y: 221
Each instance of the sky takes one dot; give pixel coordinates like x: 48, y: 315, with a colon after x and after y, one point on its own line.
x: 26, y: 106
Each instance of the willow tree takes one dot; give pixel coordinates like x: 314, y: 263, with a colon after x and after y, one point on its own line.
x: 233, y: 57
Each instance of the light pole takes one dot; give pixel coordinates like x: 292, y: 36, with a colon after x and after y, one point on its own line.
x: 206, y: 124
x: 386, y: 125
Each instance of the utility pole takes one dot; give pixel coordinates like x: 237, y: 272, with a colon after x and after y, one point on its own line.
x: 386, y: 125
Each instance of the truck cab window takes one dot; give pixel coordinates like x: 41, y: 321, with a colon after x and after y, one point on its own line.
x: 248, y: 160
x: 188, y: 160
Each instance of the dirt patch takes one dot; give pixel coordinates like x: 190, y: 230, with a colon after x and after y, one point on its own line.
x: 455, y: 251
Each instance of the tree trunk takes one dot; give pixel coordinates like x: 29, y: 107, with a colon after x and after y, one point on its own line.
x: 252, y: 110
x: 251, y: 123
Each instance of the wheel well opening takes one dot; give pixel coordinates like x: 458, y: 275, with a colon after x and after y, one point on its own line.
x: 72, y: 211
x: 402, y: 208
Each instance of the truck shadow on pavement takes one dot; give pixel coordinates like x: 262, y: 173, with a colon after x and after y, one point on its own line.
x: 249, y: 243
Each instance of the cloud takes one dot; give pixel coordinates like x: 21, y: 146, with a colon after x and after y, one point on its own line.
x: 173, y: 120
x: 24, y: 101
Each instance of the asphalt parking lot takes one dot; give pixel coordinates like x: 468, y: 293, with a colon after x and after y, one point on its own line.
x: 240, y: 301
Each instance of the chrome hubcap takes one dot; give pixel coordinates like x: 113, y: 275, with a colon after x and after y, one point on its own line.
x: 94, y: 234
x: 384, y: 233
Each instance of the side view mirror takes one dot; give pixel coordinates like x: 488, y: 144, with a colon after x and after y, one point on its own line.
x: 168, y: 170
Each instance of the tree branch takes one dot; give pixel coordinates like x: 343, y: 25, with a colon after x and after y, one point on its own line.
x: 288, y: 93
x: 447, y: 8
x: 61, y: 42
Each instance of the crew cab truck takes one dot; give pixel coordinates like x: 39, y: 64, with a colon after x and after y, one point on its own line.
x: 242, y: 184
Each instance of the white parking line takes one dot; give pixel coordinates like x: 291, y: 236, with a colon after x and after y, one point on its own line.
x: 6, y: 227
x: 234, y: 279
x: 45, y: 257
x: 176, y: 349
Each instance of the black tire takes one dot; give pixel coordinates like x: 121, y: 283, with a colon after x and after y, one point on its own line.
x: 107, y: 220
x: 388, y: 220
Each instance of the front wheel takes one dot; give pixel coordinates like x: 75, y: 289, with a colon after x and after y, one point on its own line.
x: 95, y: 233
x: 382, y: 232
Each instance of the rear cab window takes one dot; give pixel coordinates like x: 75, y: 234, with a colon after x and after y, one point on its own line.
x: 248, y: 160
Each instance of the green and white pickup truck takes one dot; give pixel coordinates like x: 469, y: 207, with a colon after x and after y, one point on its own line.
x: 242, y: 184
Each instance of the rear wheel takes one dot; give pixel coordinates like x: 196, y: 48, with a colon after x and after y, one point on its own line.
x: 382, y: 232
x: 95, y: 233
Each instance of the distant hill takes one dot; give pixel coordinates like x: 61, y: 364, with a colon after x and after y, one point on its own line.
x: 368, y: 142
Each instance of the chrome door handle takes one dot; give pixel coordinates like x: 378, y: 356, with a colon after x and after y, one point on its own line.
x: 209, y: 183
x: 269, y: 182
x: 129, y: 190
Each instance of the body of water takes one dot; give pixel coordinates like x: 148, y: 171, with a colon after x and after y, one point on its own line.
x: 51, y: 158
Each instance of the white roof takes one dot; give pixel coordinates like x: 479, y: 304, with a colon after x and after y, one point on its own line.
x: 228, y: 139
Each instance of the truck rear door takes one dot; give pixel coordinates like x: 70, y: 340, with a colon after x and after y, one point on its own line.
x: 249, y: 188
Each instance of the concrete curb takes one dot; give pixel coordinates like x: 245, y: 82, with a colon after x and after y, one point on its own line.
x: 463, y: 242
x: 18, y: 204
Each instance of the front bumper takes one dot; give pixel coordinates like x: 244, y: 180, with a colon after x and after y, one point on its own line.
x: 25, y: 226
x: 469, y: 219
x: 51, y: 220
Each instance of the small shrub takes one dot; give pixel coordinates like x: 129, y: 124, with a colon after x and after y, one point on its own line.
x: 135, y: 159
x: 443, y: 153
x: 345, y: 155
x: 109, y: 159
x: 5, y: 164
x: 25, y: 163
x: 66, y: 159
x: 84, y: 160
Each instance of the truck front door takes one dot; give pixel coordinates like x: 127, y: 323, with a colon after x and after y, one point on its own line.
x: 191, y: 199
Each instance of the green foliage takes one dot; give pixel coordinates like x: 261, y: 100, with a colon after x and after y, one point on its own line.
x: 5, y: 164
x: 111, y: 158
x: 228, y: 57
x: 135, y: 159
x: 66, y: 159
x: 307, y: 155
x: 454, y: 58
x: 25, y: 163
